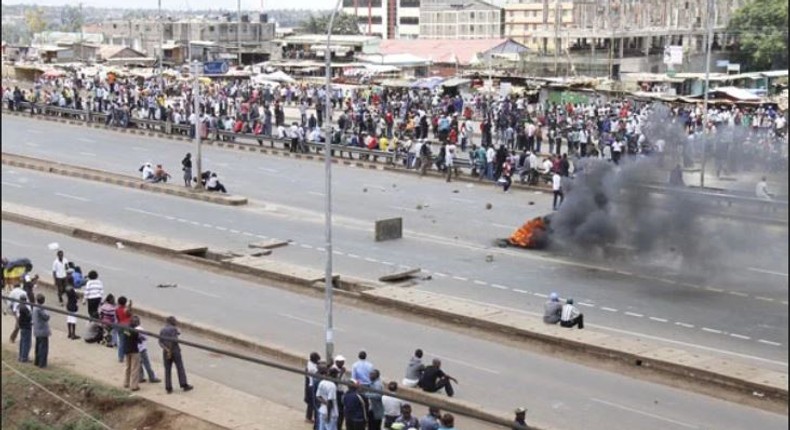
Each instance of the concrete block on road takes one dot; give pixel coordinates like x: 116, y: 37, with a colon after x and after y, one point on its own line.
x: 269, y: 244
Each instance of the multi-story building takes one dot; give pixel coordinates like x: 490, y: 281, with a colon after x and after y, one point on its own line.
x: 461, y: 19
x: 202, y: 39
x: 388, y: 19
x: 603, y: 37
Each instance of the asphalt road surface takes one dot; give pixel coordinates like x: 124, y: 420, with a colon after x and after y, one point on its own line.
x: 559, y: 394
x: 449, y: 238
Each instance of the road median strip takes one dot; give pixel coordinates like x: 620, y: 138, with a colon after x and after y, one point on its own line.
x: 705, y: 371
x: 47, y: 166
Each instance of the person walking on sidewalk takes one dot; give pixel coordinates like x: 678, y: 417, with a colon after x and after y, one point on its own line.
x: 145, y: 362
x: 59, y: 267
x: 171, y: 351
x: 123, y: 314
x: 94, y: 291
x: 71, y: 306
x: 25, y: 319
x: 131, y: 352
x: 42, y: 332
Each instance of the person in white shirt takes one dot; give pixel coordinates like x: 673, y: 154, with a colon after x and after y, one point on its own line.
x: 326, y: 396
x: 93, y: 293
x: 490, y: 157
x: 571, y: 316
x: 556, y: 186
x: 145, y: 362
x: 17, y: 293
x: 762, y: 190
x: 449, y: 157
x: 147, y: 172
x: 392, y: 405
x: 617, y: 150
x: 59, y: 274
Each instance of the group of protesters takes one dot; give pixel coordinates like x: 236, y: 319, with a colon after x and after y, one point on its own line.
x: 428, y: 129
x: 109, y: 318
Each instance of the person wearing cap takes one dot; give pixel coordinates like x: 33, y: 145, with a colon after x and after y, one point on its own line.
x: 571, y: 315
x: 552, y: 309
x: 431, y: 420
x: 342, y: 375
x: 171, y: 351
x: 355, y: 406
x: 520, y: 422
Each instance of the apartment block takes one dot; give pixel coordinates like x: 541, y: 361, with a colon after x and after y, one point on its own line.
x: 461, y: 19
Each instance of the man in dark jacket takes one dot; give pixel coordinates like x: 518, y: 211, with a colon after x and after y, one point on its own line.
x: 131, y: 352
x: 42, y: 332
x: 355, y: 408
x: 172, y: 355
x: 25, y: 318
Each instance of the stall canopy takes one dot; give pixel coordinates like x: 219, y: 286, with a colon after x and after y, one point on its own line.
x: 733, y: 93
x: 428, y: 83
x: 278, y: 76
x: 456, y: 82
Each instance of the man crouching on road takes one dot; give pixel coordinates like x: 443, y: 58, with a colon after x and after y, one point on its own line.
x: 571, y: 315
x: 434, y: 379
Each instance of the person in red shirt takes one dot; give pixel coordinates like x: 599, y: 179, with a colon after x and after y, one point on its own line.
x: 123, y: 314
x: 237, y: 126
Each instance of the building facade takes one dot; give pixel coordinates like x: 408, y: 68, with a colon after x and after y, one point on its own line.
x: 388, y: 19
x: 461, y: 19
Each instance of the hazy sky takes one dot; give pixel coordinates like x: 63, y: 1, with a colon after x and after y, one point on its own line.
x: 190, y: 4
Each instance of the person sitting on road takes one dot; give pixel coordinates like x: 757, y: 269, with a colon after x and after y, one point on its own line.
x: 571, y: 315
x: 147, y: 172
x: 434, y: 379
x: 160, y: 175
x: 414, y: 370
x: 552, y: 309
x: 213, y: 184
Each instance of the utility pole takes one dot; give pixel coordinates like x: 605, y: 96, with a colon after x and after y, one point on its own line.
x: 161, y: 47
x: 82, y: 34
x: 238, y: 30
x: 328, y: 275
x: 556, y: 38
x: 708, y: 42
x: 196, y: 107
x: 593, y: 42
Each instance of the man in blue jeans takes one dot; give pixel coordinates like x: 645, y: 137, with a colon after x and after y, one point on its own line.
x: 172, y: 355
x: 25, y: 318
x: 42, y: 332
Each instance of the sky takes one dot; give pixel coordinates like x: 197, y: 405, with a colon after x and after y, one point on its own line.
x: 190, y: 4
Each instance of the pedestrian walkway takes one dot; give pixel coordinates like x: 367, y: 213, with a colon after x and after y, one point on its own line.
x: 210, y: 401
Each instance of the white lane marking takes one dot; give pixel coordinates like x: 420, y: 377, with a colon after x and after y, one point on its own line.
x: 460, y: 278
x: 589, y: 305
x: 686, y: 284
x: 69, y: 196
x: 401, y: 208
x: 604, y: 308
x: 247, y: 233
x: 319, y: 249
x: 306, y: 246
x: 541, y: 295
x: 234, y: 231
x: 307, y: 321
x: 371, y: 260
x: 623, y: 272
x: 354, y: 256
x: 662, y: 320
x: 478, y: 282
x: 86, y: 139
x: 439, y: 274
x: 739, y: 294
x: 208, y: 225
x: 768, y: 342
x: 137, y: 148
x: 715, y: 290
x: 88, y: 154
x: 9, y: 184
x: 170, y: 218
x: 516, y: 290
x: 221, y: 228
x: 499, y: 287
x: 34, y: 145
x: 316, y: 193
x: 194, y: 223
x: 387, y: 263
x: 462, y: 363
x: 769, y: 272
x: 338, y: 253
x: 740, y: 336
x: 631, y: 314
x: 141, y: 211
x: 202, y: 293
x: 711, y: 330
x: 182, y: 220
x: 682, y: 324
x: 647, y: 414
x: 767, y: 299
x: 268, y: 170
x: 261, y: 236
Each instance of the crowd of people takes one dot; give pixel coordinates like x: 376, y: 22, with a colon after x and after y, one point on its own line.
x: 109, y: 316
x: 501, y: 136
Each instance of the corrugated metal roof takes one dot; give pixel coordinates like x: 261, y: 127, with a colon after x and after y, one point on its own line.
x: 461, y: 51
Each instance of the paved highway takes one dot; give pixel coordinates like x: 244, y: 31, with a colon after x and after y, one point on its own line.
x: 450, y: 238
x: 558, y: 393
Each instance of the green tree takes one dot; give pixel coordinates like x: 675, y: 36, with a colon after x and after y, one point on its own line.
x: 344, y: 24
x: 761, y: 33
x: 71, y: 19
x: 34, y: 20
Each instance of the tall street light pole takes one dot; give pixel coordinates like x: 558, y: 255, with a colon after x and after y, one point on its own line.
x: 195, y: 98
x: 238, y: 30
x: 708, y: 42
x: 328, y: 284
x: 161, y: 47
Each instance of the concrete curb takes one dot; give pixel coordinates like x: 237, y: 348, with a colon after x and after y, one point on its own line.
x: 706, y: 371
x: 394, y: 168
x: 117, y: 179
x: 298, y: 360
